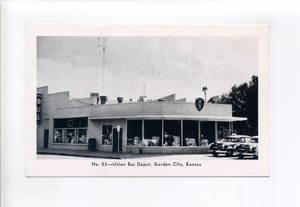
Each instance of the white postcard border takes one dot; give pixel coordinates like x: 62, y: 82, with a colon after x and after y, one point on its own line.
x: 36, y: 167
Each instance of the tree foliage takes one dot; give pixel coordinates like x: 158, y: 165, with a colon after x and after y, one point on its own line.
x: 244, y: 101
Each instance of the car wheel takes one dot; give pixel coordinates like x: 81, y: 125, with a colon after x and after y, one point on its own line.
x: 229, y: 153
x: 241, y: 156
x: 215, y: 154
x: 256, y: 155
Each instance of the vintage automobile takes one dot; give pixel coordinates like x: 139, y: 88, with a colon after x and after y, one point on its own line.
x: 228, y: 145
x: 248, y: 149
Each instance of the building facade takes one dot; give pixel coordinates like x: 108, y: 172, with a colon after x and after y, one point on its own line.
x: 161, y: 126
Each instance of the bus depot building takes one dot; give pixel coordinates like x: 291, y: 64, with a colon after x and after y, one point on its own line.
x: 161, y: 126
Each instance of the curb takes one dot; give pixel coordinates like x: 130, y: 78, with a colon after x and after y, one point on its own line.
x: 77, y: 155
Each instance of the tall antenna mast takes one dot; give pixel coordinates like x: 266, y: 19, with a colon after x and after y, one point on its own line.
x: 102, y: 50
x: 144, y: 90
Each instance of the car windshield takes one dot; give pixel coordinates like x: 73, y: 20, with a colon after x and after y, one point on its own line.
x: 231, y: 139
x: 245, y: 139
x: 237, y: 139
x: 254, y: 140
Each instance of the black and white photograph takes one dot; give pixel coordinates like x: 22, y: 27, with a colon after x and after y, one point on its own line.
x: 149, y: 101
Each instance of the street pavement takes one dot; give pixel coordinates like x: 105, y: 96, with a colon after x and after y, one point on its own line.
x: 148, y: 157
x: 46, y: 153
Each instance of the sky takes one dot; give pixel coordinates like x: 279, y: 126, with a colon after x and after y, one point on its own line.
x: 165, y: 65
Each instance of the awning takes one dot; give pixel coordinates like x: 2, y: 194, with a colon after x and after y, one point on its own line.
x: 173, y: 117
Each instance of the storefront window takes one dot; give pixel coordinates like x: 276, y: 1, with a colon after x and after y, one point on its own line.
x: 153, y: 132
x: 207, y: 132
x: 223, y: 130
x: 106, y: 134
x: 190, y: 133
x: 58, y: 135
x: 172, y: 133
x: 73, y: 131
x: 134, y: 132
x: 69, y: 136
x: 81, y: 136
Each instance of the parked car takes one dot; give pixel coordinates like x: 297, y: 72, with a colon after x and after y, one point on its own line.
x: 248, y: 149
x: 228, y: 145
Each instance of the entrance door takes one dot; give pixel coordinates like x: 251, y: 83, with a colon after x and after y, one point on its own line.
x: 46, y: 138
x: 115, y: 140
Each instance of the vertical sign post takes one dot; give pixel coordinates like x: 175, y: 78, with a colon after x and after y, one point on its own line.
x: 38, y: 108
x: 118, y: 130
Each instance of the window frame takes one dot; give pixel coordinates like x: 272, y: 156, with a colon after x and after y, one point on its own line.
x: 76, y: 134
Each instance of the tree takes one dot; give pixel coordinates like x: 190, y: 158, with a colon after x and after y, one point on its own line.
x: 252, y: 105
x: 244, y: 101
x: 219, y: 99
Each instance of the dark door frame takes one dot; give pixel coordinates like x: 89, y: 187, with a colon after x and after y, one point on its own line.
x: 46, y: 138
x: 115, y: 140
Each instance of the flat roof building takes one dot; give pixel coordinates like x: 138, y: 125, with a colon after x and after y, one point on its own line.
x: 164, y: 125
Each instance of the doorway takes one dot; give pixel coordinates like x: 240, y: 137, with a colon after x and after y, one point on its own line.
x: 46, y: 138
x: 115, y: 140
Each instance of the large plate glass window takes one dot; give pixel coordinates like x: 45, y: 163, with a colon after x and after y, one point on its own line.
x: 172, y: 133
x: 81, y: 136
x: 134, y: 132
x: 190, y: 133
x: 153, y: 133
x: 58, y: 135
x: 71, y: 130
x: 107, y: 135
x: 207, y: 132
x: 69, y: 136
x: 223, y: 130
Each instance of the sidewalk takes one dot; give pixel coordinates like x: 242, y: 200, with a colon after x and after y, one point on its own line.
x: 97, y: 154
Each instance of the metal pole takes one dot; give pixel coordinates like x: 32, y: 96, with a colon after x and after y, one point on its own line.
x: 199, y: 133
x: 216, y: 131
x: 118, y: 144
x: 162, y: 133
x: 181, y: 132
x: 103, y: 53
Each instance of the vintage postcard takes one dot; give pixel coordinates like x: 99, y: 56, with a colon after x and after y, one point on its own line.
x: 147, y: 100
